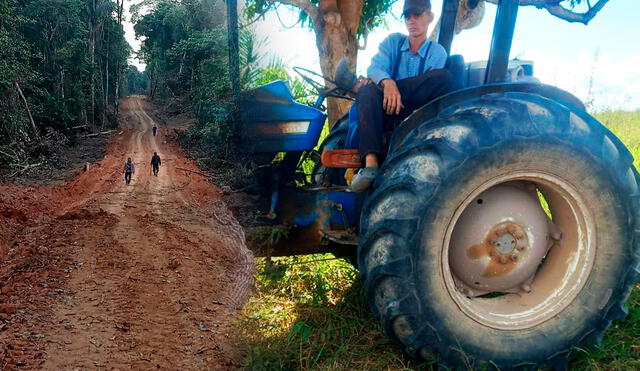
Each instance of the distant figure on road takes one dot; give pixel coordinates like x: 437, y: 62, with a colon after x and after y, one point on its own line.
x: 129, y: 168
x: 155, y: 163
x: 154, y: 128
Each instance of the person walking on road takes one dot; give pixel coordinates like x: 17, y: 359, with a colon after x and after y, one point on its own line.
x: 129, y: 168
x: 154, y: 128
x: 155, y: 163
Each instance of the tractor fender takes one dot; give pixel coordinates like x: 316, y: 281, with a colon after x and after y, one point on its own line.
x: 433, y: 108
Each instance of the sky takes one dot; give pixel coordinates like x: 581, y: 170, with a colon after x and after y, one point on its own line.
x: 130, y: 34
x: 567, y: 55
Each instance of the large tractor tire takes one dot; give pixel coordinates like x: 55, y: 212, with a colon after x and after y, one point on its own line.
x: 461, y: 262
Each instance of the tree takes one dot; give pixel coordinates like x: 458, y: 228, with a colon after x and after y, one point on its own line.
x: 186, y: 51
x: 340, y: 24
x: 135, y: 82
x: 178, y: 37
x: 57, y: 62
x: 15, y: 55
x: 566, y: 9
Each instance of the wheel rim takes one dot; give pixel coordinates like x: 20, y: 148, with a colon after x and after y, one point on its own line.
x: 558, y: 279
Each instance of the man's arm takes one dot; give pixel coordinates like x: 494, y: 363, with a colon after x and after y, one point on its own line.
x: 380, y: 67
x: 380, y: 73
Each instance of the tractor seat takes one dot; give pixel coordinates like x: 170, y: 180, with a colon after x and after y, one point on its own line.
x: 455, y: 64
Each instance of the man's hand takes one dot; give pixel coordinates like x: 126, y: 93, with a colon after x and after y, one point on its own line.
x: 392, y: 101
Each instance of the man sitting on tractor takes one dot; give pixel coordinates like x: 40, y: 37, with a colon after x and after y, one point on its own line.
x: 406, y: 73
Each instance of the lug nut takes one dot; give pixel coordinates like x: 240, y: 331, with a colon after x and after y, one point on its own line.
x: 526, y: 288
x: 514, y: 257
x: 504, y: 259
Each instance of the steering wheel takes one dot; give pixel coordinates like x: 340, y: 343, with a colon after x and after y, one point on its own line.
x: 335, y: 92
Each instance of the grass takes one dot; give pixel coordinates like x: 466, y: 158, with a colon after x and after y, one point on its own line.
x: 626, y: 125
x: 310, y: 313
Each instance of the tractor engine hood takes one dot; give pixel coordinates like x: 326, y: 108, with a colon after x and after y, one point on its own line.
x: 272, y: 121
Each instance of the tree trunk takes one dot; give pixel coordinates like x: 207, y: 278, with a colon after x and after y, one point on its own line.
x: 336, y: 38
x: 26, y: 107
x: 92, y: 56
x: 64, y: 101
x: 116, y: 101
x: 106, y: 71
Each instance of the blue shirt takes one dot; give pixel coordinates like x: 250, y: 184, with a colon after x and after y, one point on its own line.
x: 382, y: 64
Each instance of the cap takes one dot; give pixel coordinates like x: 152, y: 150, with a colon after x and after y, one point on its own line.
x: 416, y: 6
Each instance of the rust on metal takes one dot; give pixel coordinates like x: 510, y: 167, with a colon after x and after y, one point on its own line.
x: 291, y: 127
x: 346, y: 237
x: 341, y: 158
x: 499, y: 263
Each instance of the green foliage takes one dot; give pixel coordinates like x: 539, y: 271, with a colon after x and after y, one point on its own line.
x: 185, y: 49
x: 178, y: 38
x: 15, y: 57
x: 64, y: 55
x: 373, y: 13
x: 276, y: 70
x: 310, y: 313
x: 626, y: 126
x: 135, y: 82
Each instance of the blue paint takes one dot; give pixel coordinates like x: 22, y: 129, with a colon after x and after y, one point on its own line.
x: 305, y: 219
x: 322, y: 207
x: 349, y: 207
x: 273, y: 104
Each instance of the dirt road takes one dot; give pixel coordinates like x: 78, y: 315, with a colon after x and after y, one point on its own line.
x: 102, y: 275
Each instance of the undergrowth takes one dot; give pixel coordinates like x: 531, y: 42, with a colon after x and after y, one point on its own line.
x: 310, y: 313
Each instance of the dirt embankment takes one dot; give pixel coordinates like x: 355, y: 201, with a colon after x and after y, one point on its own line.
x: 99, y: 274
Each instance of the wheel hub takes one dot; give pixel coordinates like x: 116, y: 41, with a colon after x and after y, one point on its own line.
x: 504, y: 243
x: 499, y: 241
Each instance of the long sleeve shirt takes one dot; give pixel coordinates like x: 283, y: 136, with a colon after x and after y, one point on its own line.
x: 383, y: 63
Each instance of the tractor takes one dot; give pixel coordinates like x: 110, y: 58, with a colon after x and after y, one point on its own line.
x: 503, y: 229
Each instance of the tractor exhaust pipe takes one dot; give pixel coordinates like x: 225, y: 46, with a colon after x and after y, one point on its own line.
x: 503, y: 29
x: 448, y: 23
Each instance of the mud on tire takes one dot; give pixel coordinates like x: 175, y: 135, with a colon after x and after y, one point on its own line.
x: 404, y: 226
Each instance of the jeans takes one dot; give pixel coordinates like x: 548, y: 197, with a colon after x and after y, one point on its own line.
x: 415, y: 92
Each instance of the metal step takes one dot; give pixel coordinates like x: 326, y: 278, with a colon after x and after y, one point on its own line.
x: 343, y: 237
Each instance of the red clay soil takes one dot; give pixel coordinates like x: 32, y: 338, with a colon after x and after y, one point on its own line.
x: 97, y: 274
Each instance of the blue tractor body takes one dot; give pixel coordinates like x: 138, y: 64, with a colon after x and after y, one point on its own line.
x: 274, y: 122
